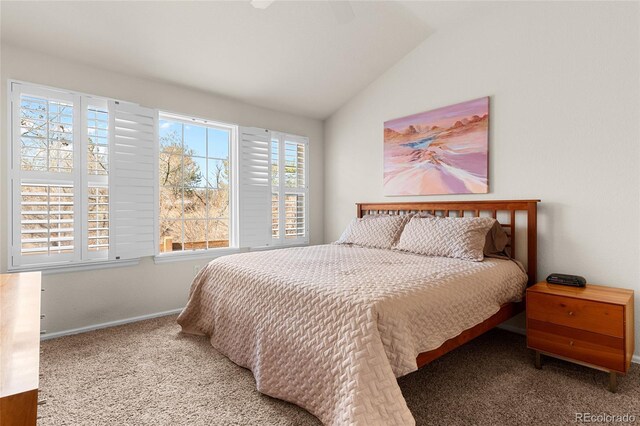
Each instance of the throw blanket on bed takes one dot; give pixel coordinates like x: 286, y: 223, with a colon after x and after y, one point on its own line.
x: 330, y: 327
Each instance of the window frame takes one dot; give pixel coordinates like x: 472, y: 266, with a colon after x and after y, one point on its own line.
x: 78, y: 178
x: 162, y: 257
x: 283, y: 190
x: 81, y: 258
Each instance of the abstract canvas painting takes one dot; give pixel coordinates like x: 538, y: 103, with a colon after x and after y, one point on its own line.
x: 442, y: 151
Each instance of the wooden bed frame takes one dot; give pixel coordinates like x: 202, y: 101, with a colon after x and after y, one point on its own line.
x: 490, y: 208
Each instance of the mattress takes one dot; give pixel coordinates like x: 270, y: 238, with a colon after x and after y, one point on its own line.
x: 331, y: 327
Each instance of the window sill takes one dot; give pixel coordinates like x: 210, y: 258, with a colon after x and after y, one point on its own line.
x: 62, y: 268
x: 196, y: 254
x: 215, y: 253
x: 279, y: 246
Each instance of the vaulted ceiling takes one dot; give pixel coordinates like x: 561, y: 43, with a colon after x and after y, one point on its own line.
x: 306, y: 58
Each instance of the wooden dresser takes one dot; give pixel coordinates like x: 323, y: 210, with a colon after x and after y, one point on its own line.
x: 592, y: 326
x: 19, y: 348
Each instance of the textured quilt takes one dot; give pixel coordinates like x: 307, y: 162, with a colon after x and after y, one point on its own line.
x: 331, y: 327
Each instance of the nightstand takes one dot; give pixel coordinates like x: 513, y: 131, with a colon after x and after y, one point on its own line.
x: 591, y: 326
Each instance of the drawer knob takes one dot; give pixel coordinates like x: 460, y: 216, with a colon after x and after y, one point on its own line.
x: 571, y: 343
x: 570, y: 313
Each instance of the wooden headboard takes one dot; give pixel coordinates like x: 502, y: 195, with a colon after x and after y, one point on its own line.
x: 503, y: 210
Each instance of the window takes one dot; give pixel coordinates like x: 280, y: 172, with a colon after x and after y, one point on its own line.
x: 61, y: 191
x: 95, y: 179
x: 289, y: 189
x: 195, y: 181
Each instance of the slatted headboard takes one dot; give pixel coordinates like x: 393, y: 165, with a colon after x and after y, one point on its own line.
x: 503, y: 210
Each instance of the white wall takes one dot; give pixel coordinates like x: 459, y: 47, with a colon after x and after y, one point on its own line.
x: 564, y: 127
x: 81, y: 299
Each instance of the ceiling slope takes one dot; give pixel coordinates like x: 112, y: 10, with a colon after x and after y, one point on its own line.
x: 293, y: 56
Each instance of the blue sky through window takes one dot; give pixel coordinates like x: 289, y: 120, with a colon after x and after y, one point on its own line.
x: 195, y: 140
x: 199, y: 138
x: 218, y: 143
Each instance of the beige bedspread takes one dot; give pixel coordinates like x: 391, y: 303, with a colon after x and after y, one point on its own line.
x: 331, y: 327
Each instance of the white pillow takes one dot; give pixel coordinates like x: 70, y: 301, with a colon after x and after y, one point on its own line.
x: 375, y: 232
x: 461, y: 238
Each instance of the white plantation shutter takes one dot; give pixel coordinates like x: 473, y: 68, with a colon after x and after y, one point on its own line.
x: 133, y: 185
x: 290, y: 189
x: 254, y: 187
x: 44, y: 175
x: 295, y: 189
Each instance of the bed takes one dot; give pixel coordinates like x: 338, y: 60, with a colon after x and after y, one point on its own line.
x: 331, y: 327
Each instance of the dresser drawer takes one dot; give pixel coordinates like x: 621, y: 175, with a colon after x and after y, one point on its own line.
x: 588, y: 315
x: 591, y: 348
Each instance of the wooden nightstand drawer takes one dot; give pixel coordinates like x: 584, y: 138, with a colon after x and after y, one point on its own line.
x: 590, y: 325
x: 582, y: 314
x: 579, y: 345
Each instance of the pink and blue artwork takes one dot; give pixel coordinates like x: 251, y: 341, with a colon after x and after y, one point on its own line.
x: 442, y: 151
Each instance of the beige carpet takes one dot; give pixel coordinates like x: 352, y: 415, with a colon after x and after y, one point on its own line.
x: 148, y: 373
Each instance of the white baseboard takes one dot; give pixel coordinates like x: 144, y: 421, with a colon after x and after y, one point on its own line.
x: 108, y: 324
x: 519, y: 330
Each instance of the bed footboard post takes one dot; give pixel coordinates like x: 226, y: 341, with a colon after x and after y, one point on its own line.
x: 532, y: 241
